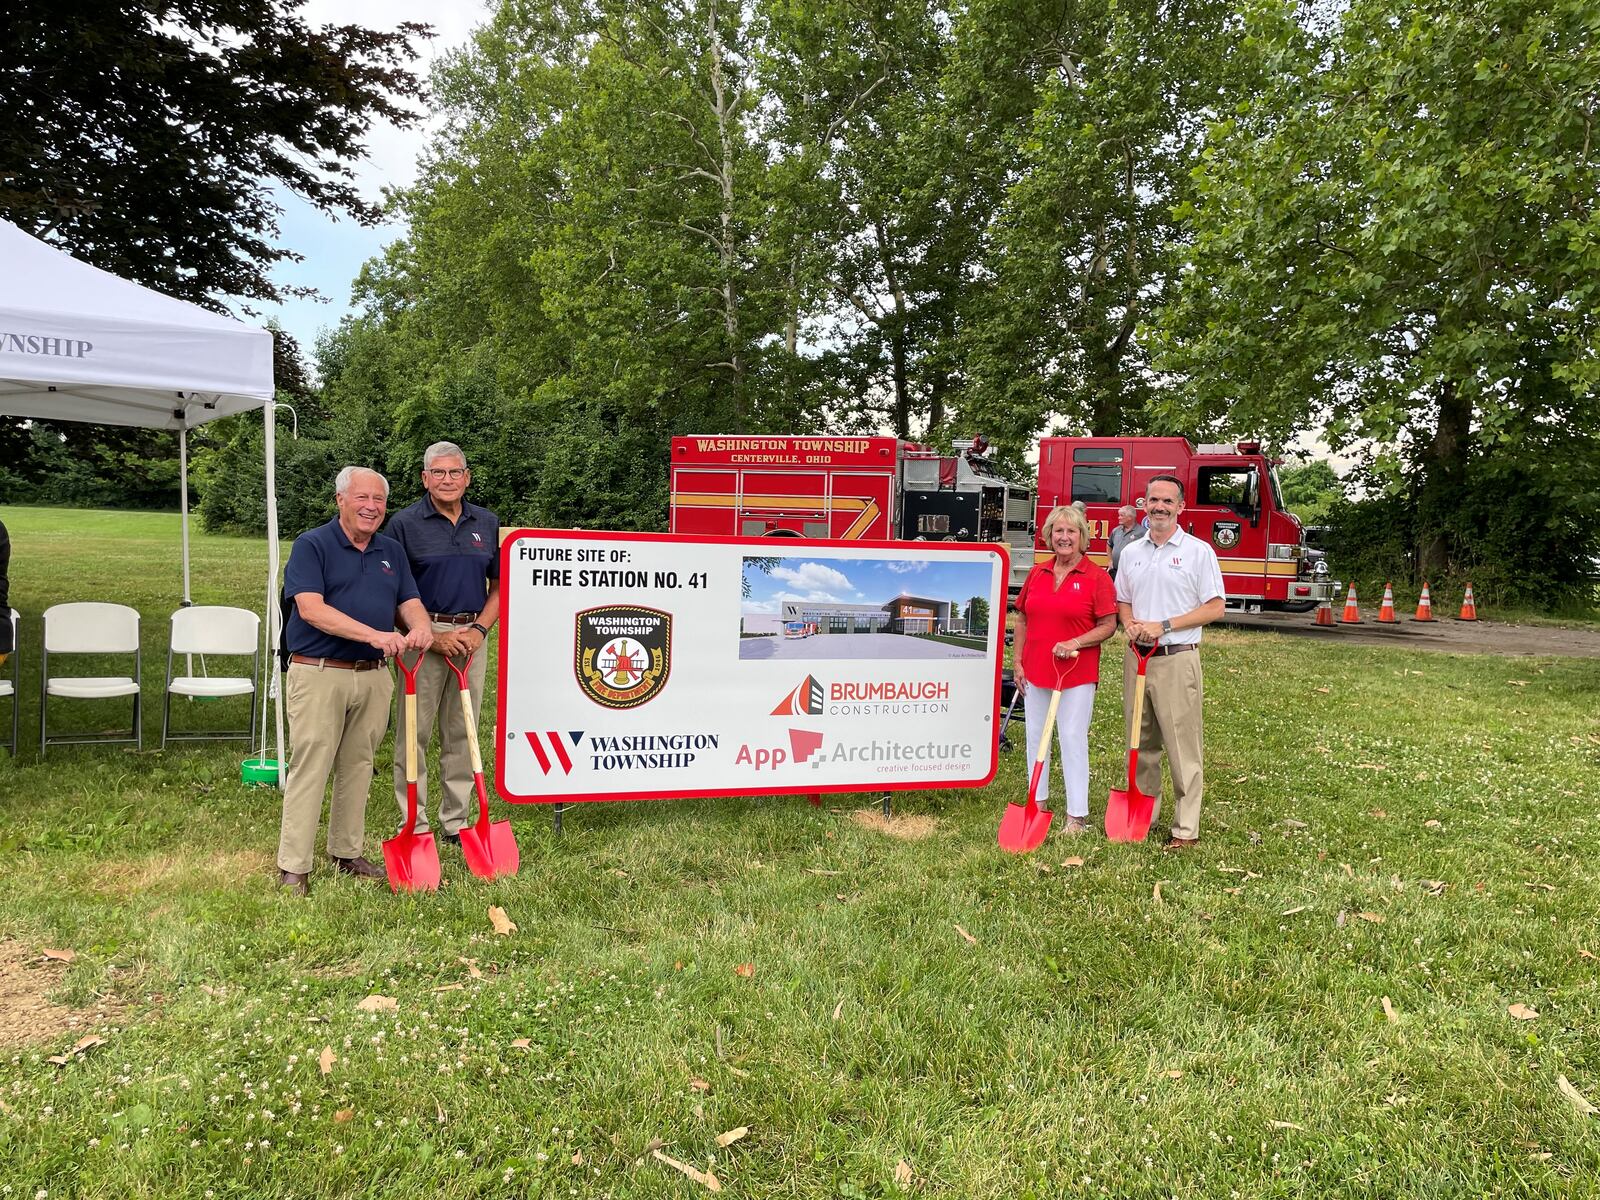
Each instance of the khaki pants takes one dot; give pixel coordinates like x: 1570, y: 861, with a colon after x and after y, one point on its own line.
x: 337, y: 717
x: 1171, y: 721
x: 439, y: 702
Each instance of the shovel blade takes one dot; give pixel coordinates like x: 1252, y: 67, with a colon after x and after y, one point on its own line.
x: 504, y: 844
x: 1116, y: 822
x: 1024, y: 826
x: 1014, y: 828
x: 412, y: 860
x: 490, y: 849
x: 1140, y: 810
x: 1128, y: 815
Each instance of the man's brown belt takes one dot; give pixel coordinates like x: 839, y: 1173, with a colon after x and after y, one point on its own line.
x: 1176, y: 649
x: 361, y: 664
x: 454, y: 618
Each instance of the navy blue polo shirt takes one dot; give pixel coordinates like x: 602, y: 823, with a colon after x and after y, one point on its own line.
x: 368, y: 585
x: 451, y: 560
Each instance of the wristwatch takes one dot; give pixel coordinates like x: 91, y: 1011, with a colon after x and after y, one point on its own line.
x: 480, y: 629
x: 1166, y: 627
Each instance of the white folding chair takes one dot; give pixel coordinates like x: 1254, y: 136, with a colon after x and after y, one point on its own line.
x: 11, y: 687
x: 212, y: 629
x: 89, y: 627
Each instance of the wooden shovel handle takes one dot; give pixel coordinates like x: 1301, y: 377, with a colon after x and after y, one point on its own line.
x: 1049, y: 724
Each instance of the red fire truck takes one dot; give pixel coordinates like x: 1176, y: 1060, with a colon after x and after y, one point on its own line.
x: 857, y: 488
x: 1232, y: 500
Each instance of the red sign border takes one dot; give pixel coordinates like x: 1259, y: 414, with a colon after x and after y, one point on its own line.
x: 591, y: 535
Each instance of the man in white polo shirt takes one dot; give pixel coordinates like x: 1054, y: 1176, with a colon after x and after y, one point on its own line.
x: 1168, y: 586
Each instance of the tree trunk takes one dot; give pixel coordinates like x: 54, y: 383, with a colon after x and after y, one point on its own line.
x: 1444, y: 471
x: 939, y: 380
x: 895, y: 329
x: 728, y: 259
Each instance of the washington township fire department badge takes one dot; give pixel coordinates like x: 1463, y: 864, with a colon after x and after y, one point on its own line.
x: 1225, y: 534
x: 622, y: 654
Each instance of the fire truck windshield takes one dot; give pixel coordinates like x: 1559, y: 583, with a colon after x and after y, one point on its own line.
x: 1277, y: 488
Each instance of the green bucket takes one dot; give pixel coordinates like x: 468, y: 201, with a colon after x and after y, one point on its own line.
x: 259, y: 772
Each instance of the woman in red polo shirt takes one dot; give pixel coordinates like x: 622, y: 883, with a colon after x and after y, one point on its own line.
x: 1066, y: 608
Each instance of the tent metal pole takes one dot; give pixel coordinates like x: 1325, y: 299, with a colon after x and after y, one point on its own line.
x: 274, y: 613
x: 183, y: 505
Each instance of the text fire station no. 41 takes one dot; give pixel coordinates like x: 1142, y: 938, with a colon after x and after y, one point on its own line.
x: 561, y: 576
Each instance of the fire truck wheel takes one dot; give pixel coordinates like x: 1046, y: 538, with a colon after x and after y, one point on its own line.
x: 1297, y: 606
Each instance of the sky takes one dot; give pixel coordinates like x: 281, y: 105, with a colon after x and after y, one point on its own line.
x: 864, y: 581
x: 334, y: 250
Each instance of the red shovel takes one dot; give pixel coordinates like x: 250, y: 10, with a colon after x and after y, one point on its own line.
x: 1128, y: 812
x: 1023, y: 827
x: 412, y: 858
x: 490, y: 849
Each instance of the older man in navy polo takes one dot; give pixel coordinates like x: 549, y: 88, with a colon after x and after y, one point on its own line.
x: 454, y: 551
x: 343, y: 586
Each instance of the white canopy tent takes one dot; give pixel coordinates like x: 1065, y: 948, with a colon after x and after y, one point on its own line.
x: 80, y: 344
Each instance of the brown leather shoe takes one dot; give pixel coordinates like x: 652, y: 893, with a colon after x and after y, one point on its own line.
x: 1178, y: 843
x: 296, y: 883
x: 359, y: 867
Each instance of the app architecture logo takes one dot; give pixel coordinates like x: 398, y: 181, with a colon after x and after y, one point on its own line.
x: 866, y: 697
x: 803, y: 745
x: 622, y: 654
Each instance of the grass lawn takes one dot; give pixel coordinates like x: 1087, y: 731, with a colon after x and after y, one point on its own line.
x: 1397, y: 849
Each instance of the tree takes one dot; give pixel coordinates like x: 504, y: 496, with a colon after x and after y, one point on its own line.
x: 1309, y: 489
x: 978, y: 614
x: 1398, y: 241
x: 146, y: 139
x: 1092, y: 115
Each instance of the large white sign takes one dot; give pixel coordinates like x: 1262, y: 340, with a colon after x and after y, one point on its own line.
x: 637, y: 666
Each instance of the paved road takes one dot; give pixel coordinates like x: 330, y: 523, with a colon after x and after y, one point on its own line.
x: 848, y: 646
x: 1444, y: 634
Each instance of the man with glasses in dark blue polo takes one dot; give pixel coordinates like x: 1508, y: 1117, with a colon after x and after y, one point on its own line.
x: 453, y: 548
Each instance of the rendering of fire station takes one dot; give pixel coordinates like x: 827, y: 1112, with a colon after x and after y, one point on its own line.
x: 903, y: 614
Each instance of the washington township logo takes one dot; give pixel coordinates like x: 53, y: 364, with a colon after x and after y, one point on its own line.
x: 1225, y: 534
x: 622, y: 654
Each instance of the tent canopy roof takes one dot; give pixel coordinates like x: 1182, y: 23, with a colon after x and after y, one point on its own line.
x: 80, y: 344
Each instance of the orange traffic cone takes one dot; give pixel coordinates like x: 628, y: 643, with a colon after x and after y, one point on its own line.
x: 1424, y: 605
x: 1352, y: 614
x: 1324, y: 613
x: 1386, y: 609
x: 1469, y: 610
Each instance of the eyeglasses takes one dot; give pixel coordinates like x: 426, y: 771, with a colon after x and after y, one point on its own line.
x: 447, y: 472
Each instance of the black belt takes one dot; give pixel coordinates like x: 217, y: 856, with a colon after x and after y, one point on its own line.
x: 453, y: 618
x: 360, y: 664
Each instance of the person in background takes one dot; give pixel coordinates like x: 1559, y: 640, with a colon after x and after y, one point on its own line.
x: 343, y: 586
x: 1128, y: 530
x: 453, y: 548
x: 1169, y: 585
x: 1065, y: 609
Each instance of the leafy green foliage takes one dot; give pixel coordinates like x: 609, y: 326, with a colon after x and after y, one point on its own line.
x: 145, y: 139
x: 1397, y: 240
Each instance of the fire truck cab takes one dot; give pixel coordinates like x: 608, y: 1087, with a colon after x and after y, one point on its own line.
x: 1231, y: 499
x: 854, y: 488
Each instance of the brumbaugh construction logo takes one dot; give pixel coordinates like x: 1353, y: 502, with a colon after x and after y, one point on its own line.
x: 622, y: 654
x: 804, y: 701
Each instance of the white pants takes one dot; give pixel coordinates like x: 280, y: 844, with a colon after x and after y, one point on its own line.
x: 1072, y: 722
